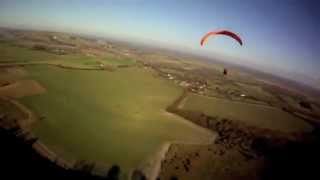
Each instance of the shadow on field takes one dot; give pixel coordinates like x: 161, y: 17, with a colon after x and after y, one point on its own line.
x: 286, y: 160
x: 294, y: 160
x: 20, y: 160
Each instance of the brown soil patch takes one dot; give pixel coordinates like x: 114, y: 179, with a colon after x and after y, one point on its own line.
x: 207, y: 162
x: 11, y: 74
x: 21, y: 89
x: 17, y: 71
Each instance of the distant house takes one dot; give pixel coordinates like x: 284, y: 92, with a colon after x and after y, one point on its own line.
x: 170, y: 76
x: 184, y: 84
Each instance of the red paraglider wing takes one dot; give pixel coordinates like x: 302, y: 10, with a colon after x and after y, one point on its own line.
x: 222, y: 32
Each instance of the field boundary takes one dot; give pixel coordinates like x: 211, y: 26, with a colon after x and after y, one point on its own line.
x: 38, y: 146
x: 4, y: 65
x: 153, y: 166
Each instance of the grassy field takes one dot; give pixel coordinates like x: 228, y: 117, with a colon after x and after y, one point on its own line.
x: 11, y: 53
x: 81, y: 61
x: 257, y: 115
x: 111, y: 117
x: 116, y: 62
x: 14, y: 54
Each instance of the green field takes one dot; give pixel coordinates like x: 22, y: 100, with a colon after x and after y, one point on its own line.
x: 111, y: 117
x: 117, y: 62
x: 81, y: 61
x: 12, y: 53
x: 257, y: 115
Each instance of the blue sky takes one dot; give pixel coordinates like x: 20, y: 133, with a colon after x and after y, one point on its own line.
x: 278, y: 35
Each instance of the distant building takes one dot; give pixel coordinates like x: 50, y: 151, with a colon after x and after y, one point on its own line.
x: 184, y: 84
x: 202, y: 87
x: 170, y: 76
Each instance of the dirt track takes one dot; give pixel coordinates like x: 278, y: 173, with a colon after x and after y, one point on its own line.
x: 22, y: 88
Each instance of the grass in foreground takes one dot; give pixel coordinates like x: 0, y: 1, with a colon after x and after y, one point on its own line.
x: 112, y: 117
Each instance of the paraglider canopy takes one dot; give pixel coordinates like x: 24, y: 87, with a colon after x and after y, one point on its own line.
x: 221, y: 32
